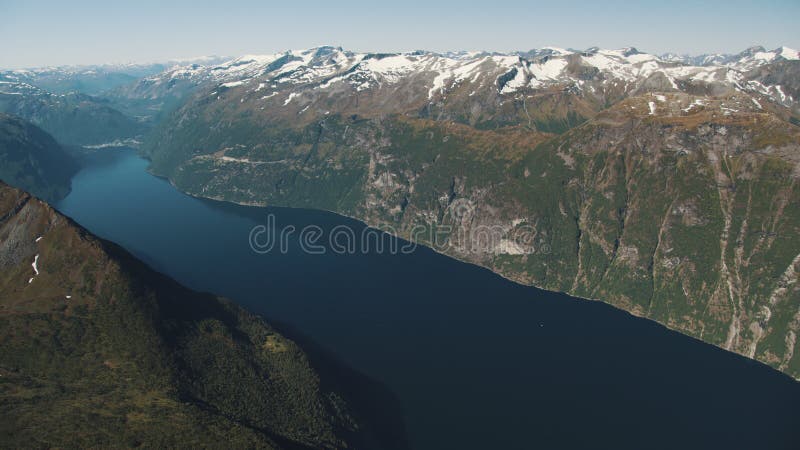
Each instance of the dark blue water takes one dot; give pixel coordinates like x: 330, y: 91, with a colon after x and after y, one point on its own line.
x: 476, y: 361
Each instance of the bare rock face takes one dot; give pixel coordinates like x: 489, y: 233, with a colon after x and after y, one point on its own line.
x: 667, y: 189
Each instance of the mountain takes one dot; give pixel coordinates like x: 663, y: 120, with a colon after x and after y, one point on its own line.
x: 33, y: 160
x: 599, y: 77
x: 666, y: 189
x: 758, y: 56
x: 86, y: 80
x: 74, y: 119
x: 98, y: 350
x: 95, y: 79
x: 103, y: 84
x: 595, y: 76
x: 746, y: 60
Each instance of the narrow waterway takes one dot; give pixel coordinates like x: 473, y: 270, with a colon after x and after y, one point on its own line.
x: 476, y: 361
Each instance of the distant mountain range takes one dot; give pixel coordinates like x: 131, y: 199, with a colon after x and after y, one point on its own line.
x: 98, y: 78
x: 746, y: 60
x: 74, y: 119
x: 69, y: 102
x: 510, y: 72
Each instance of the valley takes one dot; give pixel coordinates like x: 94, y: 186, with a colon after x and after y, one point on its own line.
x: 474, y: 360
x: 609, y: 240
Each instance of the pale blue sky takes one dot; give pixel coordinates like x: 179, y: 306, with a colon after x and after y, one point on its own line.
x: 36, y: 33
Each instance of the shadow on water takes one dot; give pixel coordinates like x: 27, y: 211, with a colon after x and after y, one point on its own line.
x: 376, y: 405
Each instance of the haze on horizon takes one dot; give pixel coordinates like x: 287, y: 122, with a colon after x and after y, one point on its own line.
x: 51, y: 33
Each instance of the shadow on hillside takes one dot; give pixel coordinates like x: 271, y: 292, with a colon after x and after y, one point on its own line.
x: 378, y: 407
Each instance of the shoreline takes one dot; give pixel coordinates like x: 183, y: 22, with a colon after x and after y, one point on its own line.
x: 481, y: 266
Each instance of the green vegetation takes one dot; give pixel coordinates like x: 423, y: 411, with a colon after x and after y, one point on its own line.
x: 688, y: 218
x: 97, y: 350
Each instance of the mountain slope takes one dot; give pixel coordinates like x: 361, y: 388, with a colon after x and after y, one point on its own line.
x: 74, y: 119
x: 32, y: 160
x: 685, y: 217
x: 665, y: 189
x: 99, y: 350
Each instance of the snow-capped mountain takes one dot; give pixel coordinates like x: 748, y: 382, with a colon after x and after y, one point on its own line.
x: 747, y: 60
x: 98, y: 78
x: 471, y: 87
x: 599, y: 75
x: 542, y: 85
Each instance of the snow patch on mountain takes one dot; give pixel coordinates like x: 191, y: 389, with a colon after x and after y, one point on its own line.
x: 332, y: 69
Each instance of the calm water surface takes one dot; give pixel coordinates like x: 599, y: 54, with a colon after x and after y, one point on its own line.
x: 476, y: 361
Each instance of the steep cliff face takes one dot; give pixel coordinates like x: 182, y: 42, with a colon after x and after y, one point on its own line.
x: 99, y: 350
x: 667, y: 190
x: 32, y: 160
